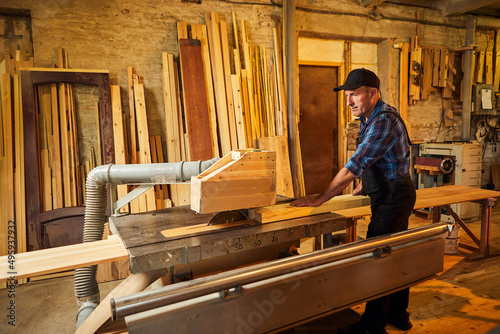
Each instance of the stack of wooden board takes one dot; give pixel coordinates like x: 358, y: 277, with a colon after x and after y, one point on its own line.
x: 144, y: 149
x: 62, y: 175
x: 250, y: 100
x: 230, y: 98
x: 12, y: 184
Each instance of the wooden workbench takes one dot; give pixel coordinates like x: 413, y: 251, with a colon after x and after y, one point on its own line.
x: 443, y: 197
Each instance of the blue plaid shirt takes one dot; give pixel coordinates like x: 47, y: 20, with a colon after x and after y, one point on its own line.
x: 382, y: 141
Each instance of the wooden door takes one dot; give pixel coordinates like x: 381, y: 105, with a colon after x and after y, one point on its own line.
x: 318, y: 125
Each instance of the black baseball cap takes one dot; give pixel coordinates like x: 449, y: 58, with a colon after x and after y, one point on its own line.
x: 359, y: 77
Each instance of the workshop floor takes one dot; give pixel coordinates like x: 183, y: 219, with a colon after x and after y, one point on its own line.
x: 464, y: 298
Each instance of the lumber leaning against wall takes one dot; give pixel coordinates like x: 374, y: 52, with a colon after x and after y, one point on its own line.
x: 12, y: 196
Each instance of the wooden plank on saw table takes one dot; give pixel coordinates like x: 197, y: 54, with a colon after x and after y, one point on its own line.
x: 201, y: 229
x: 195, y: 100
x: 119, y: 138
x: 143, y: 135
x: 286, y: 211
x: 57, y: 259
x: 212, y: 20
x: 110, y: 271
x: 278, y: 144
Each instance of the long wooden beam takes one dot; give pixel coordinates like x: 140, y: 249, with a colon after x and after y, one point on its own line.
x: 285, y: 211
x: 57, y: 259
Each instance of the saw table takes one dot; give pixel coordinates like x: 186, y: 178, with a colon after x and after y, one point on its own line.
x: 248, y: 241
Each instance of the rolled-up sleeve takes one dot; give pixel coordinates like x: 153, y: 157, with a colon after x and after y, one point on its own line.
x: 378, y: 139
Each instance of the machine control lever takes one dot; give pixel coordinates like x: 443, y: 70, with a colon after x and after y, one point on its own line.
x: 227, y: 294
x: 382, y: 252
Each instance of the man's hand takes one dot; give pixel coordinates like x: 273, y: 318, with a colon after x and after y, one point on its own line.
x: 308, y: 201
x: 358, y: 190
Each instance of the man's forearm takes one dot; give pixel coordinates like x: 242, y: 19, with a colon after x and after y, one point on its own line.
x: 343, y: 178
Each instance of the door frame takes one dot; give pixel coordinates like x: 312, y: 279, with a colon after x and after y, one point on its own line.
x: 341, y: 123
x: 30, y: 78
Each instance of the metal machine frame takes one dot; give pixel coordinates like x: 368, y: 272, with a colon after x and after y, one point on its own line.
x: 273, y: 296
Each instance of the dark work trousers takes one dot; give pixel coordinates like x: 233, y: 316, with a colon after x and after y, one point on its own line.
x: 392, y: 203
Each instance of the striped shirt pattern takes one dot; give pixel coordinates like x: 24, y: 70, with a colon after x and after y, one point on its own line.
x: 383, y: 142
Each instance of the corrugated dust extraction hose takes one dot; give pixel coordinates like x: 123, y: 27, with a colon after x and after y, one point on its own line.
x: 86, y: 287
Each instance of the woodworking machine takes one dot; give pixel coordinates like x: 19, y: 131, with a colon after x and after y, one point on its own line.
x: 232, y: 274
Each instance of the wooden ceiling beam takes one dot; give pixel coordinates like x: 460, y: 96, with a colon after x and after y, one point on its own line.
x: 455, y: 7
x: 370, y: 3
